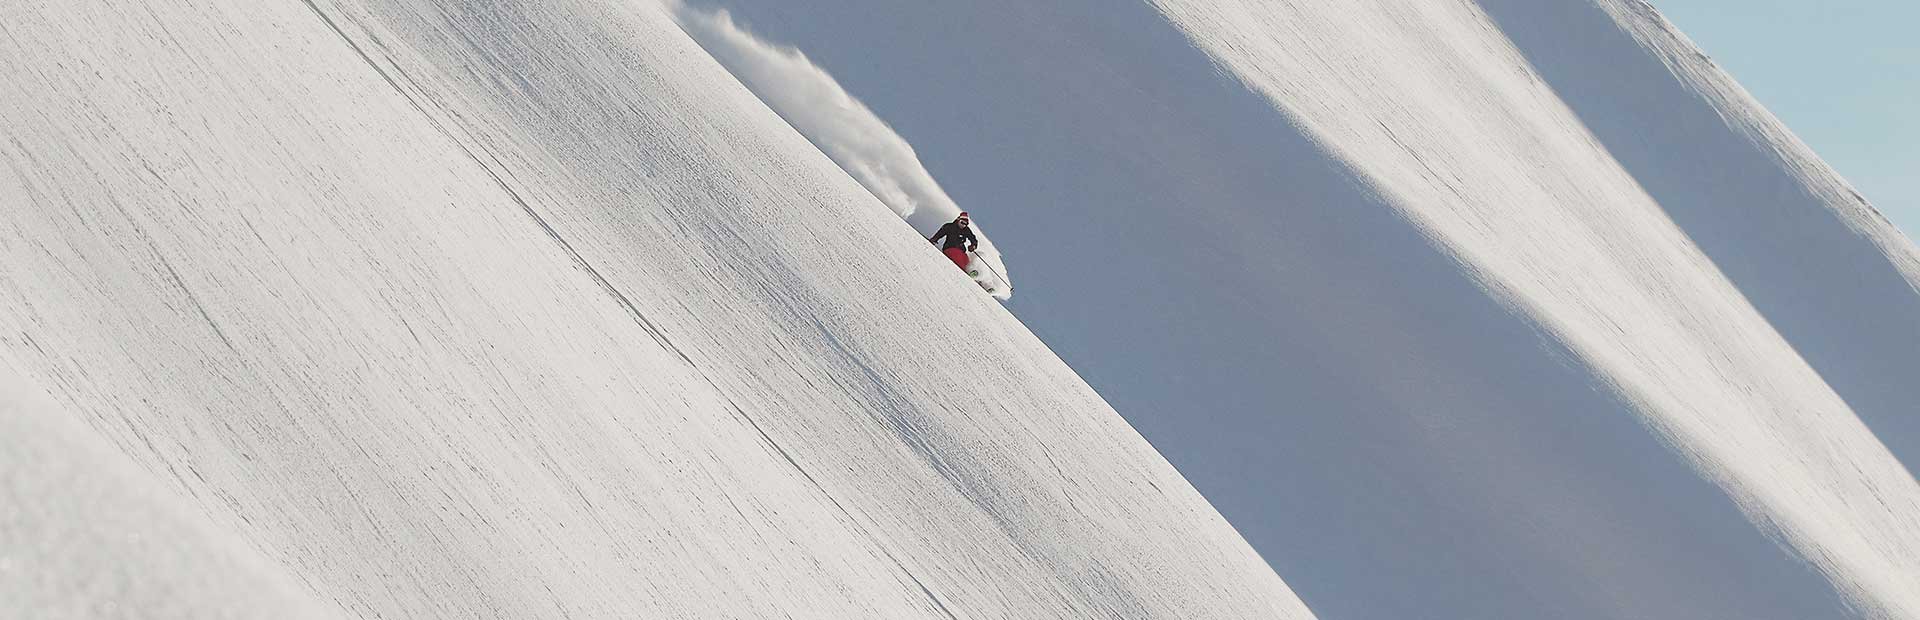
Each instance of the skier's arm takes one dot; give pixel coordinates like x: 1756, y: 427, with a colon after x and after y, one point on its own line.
x: 935, y: 239
x: 973, y: 243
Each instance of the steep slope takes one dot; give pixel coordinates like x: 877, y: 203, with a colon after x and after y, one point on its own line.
x: 88, y: 534
x: 1833, y: 276
x: 1675, y: 337
x: 529, y: 309
x: 1377, y: 279
x: 862, y: 144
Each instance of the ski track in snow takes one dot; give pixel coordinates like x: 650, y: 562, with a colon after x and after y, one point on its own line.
x: 530, y: 310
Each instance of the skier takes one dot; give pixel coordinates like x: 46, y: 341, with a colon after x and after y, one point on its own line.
x: 960, y: 240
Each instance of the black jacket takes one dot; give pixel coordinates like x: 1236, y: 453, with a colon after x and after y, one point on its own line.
x: 957, y: 236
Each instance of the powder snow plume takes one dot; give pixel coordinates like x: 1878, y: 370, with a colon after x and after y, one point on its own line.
x: 815, y: 104
x: 838, y: 124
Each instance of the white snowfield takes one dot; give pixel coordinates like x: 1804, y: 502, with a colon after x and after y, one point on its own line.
x: 849, y: 133
x: 1595, y: 260
x: 87, y: 534
x: 530, y: 308
x: 520, y: 309
x: 1474, y: 309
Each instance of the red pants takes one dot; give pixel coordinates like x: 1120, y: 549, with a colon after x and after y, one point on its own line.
x: 959, y: 256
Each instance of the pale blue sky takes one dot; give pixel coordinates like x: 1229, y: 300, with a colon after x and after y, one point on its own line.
x: 1843, y: 74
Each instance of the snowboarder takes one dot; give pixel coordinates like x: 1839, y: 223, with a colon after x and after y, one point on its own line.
x: 960, y: 240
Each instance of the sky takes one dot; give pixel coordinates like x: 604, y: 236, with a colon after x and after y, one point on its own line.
x: 1843, y: 74
x: 1333, y: 381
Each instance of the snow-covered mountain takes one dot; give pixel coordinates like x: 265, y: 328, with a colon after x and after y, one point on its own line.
x: 1491, y: 309
x: 531, y: 309
x: 405, y: 308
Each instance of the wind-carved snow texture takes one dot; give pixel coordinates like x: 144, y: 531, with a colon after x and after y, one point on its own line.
x: 1504, y: 309
x: 845, y: 130
x: 86, y: 534
x: 530, y: 309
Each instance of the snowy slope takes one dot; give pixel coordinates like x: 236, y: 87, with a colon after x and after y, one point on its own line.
x: 846, y: 131
x: 1491, y: 309
x: 1699, y: 360
x: 88, y: 534
x: 1833, y: 276
x: 531, y: 310
x: 1459, y: 310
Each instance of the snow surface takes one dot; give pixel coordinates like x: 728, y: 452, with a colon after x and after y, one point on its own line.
x: 1461, y: 310
x: 84, y: 533
x: 529, y: 309
x: 843, y: 128
x: 398, y: 308
x: 1699, y: 361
